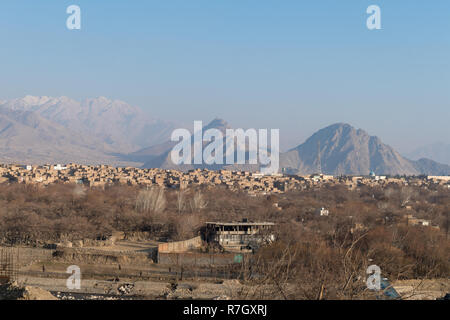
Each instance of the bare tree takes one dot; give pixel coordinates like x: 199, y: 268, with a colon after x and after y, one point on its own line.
x: 406, y: 195
x: 152, y: 200
x: 180, y: 201
x: 198, y: 202
x: 187, y: 226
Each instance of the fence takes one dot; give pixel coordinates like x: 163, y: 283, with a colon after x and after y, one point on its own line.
x: 9, y: 258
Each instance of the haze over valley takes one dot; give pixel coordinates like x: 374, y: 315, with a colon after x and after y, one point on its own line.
x: 38, y: 130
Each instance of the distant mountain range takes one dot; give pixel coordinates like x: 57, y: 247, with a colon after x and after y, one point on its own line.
x: 47, y: 129
x: 438, y: 151
x: 159, y: 156
x: 61, y: 130
x: 343, y: 150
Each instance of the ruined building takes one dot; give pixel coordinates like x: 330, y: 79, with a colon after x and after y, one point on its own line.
x: 240, y: 236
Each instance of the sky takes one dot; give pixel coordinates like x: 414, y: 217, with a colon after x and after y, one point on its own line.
x: 297, y: 66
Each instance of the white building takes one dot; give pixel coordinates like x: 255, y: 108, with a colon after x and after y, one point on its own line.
x: 59, y: 167
x: 323, y: 212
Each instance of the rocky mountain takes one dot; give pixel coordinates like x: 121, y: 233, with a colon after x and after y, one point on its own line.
x: 430, y: 167
x: 149, y: 155
x: 346, y: 150
x: 123, y: 127
x: 438, y: 151
x: 343, y: 150
x: 159, y: 156
x: 47, y: 129
x: 26, y: 137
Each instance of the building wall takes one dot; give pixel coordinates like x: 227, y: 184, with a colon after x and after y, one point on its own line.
x: 199, y: 259
x: 180, y: 246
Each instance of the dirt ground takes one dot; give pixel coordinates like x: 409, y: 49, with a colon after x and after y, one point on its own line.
x: 126, y: 270
x: 422, y: 289
x: 139, y: 289
x: 15, y: 291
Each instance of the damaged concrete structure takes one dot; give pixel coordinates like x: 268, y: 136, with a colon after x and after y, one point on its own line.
x: 236, y: 239
x: 239, y: 236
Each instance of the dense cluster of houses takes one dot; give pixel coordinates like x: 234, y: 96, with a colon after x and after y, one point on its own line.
x: 101, y: 175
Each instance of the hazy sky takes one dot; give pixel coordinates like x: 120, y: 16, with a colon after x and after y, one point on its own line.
x: 293, y: 65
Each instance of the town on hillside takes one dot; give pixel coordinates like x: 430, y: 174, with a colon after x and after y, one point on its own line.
x: 253, y: 183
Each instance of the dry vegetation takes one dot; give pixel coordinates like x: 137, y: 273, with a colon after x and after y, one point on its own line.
x: 325, y: 257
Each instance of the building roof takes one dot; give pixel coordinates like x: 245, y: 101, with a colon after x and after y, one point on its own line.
x: 242, y: 223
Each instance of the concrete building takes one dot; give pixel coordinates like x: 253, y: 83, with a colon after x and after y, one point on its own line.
x: 239, y: 236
